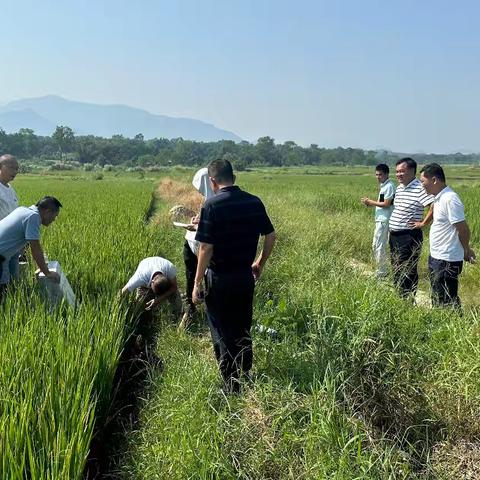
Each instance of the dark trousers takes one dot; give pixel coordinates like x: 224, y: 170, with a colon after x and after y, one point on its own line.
x: 3, y: 286
x: 229, y: 301
x: 405, y: 250
x: 444, y: 282
x: 191, y: 261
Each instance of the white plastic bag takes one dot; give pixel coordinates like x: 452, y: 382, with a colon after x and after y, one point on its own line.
x: 56, y: 292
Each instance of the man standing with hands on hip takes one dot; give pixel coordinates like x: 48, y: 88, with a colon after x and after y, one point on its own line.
x: 449, y: 238
x: 406, y: 222
x: 230, y: 225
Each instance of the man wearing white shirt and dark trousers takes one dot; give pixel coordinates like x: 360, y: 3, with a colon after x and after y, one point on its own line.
x: 8, y: 200
x: 155, y: 280
x: 383, y: 210
x: 449, y: 238
x: 406, y: 222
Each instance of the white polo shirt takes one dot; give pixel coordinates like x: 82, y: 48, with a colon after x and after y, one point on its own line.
x: 145, y: 270
x: 447, y: 211
x: 8, y: 200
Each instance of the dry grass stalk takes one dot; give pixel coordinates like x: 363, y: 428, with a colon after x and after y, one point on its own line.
x: 176, y: 193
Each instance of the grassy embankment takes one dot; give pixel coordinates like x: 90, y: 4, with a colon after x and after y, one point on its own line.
x: 358, y: 384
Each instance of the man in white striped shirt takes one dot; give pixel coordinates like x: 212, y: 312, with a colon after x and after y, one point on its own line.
x: 406, y: 222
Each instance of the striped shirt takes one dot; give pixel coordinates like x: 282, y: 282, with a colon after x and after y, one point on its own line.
x: 409, y: 203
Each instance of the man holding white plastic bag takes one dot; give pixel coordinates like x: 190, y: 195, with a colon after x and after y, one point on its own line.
x: 21, y: 227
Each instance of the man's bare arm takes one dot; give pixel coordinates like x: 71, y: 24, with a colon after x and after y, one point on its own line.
x: 37, y: 254
x: 268, y: 243
x: 464, y: 237
x: 426, y: 220
x: 373, y: 203
x: 205, y: 252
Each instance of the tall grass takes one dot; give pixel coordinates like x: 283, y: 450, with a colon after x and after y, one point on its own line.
x: 57, y: 367
x: 358, y: 383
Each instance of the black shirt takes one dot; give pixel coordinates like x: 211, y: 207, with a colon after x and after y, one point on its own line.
x: 232, y: 222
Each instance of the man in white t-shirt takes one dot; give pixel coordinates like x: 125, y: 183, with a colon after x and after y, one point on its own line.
x: 156, y: 281
x: 383, y: 210
x: 8, y: 199
x: 449, y: 237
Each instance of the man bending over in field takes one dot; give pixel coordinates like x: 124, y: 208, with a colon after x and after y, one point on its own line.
x: 22, y: 226
x: 156, y: 281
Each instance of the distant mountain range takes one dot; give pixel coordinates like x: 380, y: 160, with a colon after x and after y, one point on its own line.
x: 43, y: 114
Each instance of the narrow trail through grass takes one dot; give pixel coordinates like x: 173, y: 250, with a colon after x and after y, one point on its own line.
x: 422, y: 298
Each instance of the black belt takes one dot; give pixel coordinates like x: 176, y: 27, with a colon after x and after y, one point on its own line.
x: 398, y: 233
x: 231, y: 270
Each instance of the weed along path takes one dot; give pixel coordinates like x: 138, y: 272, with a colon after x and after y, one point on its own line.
x: 422, y: 298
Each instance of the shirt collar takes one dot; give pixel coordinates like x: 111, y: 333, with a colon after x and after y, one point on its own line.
x: 231, y: 188
x: 441, y: 192
x: 385, y: 182
x: 411, y: 183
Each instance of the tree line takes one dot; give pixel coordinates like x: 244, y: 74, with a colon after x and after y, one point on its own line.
x: 118, y: 150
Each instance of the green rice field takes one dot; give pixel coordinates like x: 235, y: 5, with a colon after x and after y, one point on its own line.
x: 357, y: 384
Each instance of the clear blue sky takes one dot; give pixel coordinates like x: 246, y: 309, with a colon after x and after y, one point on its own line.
x: 403, y: 75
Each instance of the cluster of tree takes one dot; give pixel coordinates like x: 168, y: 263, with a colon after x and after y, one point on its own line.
x: 138, y: 152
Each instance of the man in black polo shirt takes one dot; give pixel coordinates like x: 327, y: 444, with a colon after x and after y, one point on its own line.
x: 230, y: 225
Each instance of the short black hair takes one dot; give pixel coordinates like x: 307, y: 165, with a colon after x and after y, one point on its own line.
x: 49, y: 203
x: 160, y: 284
x: 382, y: 167
x: 434, y: 170
x: 221, y: 171
x: 411, y: 163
